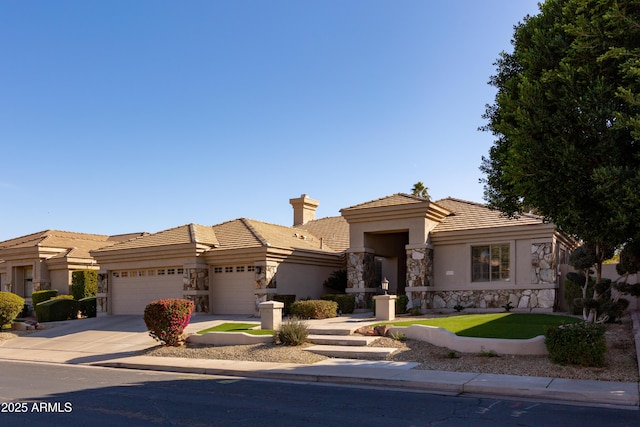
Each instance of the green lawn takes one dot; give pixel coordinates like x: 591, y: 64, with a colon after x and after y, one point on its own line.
x: 238, y: 327
x: 498, y: 325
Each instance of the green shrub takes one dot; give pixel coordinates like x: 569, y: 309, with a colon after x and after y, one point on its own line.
x: 55, y: 310
x: 579, y: 343
x: 401, y: 304
x: 84, y: 284
x: 44, y: 295
x: 167, y: 318
x: 88, y: 307
x: 293, y: 332
x: 287, y: 300
x: 10, y: 306
x: 337, y: 281
x: 346, y: 302
x: 63, y: 296
x: 314, y: 309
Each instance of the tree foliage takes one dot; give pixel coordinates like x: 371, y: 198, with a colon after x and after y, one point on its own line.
x: 566, y: 120
x: 419, y: 190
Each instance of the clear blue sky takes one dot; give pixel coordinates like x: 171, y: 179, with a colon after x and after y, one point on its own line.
x: 122, y: 116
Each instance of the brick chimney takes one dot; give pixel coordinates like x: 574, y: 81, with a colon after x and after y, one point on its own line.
x: 304, y: 209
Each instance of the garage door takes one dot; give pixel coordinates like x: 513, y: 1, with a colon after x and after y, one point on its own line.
x: 233, y: 292
x: 130, y: 295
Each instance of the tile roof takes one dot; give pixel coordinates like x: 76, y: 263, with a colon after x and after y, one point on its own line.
x: 184, y: 234
x: 77, y: 244
x: 392, y: 200
x: 333, y: 230
x: 470, y: 215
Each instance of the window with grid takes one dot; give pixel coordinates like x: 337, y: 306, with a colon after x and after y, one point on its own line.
x: 490, y: 263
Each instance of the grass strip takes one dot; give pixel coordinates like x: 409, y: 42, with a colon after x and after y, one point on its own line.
x: 238, y: 327
x: 495, y: 325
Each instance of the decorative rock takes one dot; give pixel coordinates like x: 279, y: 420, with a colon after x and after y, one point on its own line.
x: 382, y: 330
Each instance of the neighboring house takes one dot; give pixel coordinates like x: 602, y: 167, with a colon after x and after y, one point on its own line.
x: 45, y: 260
x: 440, y: 254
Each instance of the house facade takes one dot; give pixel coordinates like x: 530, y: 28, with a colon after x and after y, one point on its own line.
x: 440, y: 254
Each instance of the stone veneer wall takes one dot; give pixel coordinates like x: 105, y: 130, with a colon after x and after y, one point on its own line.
x: 542, y: 263
x: 361, y: 273
x: 266, y: 279
x: 101, y: 295
x: 196, y: 287
x: 419, y: 267
x: 494, y: 298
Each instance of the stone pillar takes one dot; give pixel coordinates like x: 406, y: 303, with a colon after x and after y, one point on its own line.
x: 102, y: 296
x: 542, y: 263
x: 266, y: 282
x: 196, y: 287
x: 385, y: 307
x: 271, y: 315
x: 361, y: 273
x: 419, y: 275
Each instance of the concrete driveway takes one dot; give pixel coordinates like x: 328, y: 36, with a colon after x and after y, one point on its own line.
x: 94, y: 339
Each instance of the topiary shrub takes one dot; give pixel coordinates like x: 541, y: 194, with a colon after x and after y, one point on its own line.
x: 63, y: 296
x: 287, y: 300
x: 579, y: 343
x: 167, y: 318
x: 314, y: 309
x: 337, y: 281
x: 293, y: 332
x: 55, y: 310
x: 44, y: 295
x: 84, y: 284
x: 346, y: 302
x: 10, y: 306
x: 88, y: 307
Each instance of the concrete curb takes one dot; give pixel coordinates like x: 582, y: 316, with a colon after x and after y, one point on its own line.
x: 437, y: 382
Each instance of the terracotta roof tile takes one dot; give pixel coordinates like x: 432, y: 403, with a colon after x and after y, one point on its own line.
x: 469, y: 215
x: 333, y: 230
x: 184, y: 234
x: 393, y: 200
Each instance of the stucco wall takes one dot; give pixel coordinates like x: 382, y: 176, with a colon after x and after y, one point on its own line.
x: 302, y: 280
x: 60, y: 280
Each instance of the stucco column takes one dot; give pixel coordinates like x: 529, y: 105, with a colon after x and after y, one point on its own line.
x: 385, y: 307
x: 271, y: 314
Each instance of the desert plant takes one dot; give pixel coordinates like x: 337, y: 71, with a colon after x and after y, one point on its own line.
x: 399, y: 336
x: 416, y: 311
x: 293, y: 332
x: 167, y: 318
x: 346, y: 302
x: 84, y: 284
x: 458, y: 307
x: 58, y: 309
x: 10, y: 306
x: 43, y: 295
x: 487, y: 353
x: 314, y: 309
x: 452, y: 354
x: 579, y: 343
x: 508, y: 307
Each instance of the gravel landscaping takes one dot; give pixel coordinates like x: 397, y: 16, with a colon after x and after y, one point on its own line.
x: 621, y: 358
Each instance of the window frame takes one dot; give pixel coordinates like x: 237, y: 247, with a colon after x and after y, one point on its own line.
x: 502, y: 272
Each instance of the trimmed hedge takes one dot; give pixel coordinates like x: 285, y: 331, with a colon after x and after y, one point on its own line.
x: 44, y: 295
x: 55, y: 310
x: 84, y: 284
x: 287, y: 300
x: 10, y: 306
x: 314, y: 309
x: 346, y: 302
x: 88, y: 307
x: 167, y: 318
x: 579, y: 343
x: 401, y: 304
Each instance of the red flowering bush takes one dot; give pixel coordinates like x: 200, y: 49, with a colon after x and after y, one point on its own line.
x: 167, y: 318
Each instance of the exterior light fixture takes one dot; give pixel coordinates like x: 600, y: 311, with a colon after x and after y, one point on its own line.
x: 385, y: 285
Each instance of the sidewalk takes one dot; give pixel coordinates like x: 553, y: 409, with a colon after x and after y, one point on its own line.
x: 112, y: 341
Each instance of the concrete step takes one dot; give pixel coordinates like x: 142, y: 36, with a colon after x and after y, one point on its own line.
x: 329, y: 331
x: 351, y: 352
x: 343, y: 340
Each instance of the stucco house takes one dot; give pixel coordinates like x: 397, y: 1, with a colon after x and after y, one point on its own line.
x: 45, y: 260
x: 439, y: 254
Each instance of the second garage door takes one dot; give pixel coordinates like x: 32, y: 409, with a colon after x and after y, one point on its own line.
x: 130, y: 295
x: 233, y: 292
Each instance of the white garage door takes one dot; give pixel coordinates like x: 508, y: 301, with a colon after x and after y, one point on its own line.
x: 130, y: 295
x: 233, y: 292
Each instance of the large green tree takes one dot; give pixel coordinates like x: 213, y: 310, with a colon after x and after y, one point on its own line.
x: 566, y: 121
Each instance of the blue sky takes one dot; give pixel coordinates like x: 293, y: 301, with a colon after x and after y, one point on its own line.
x: 126, y: 116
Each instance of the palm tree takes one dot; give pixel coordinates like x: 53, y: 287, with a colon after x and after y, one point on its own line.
x: 419, y: 190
